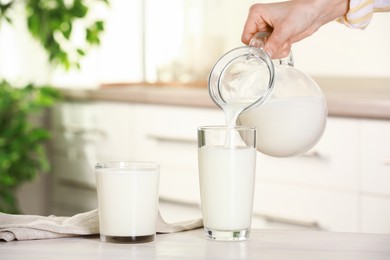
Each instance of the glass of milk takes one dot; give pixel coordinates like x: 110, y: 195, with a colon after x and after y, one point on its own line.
x: 227, y: 162
x: 128, y: 201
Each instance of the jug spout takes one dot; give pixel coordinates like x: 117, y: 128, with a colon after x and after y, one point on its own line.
x: 244, y: 75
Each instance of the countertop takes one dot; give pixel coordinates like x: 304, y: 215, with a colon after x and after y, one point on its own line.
x: 263, y: 244
x: 346, y: 97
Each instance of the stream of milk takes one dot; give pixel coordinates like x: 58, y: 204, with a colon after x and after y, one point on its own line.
x: 232, y: 111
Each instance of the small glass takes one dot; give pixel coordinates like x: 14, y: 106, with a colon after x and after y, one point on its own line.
x: 227, y: 167
x: 128, y: 201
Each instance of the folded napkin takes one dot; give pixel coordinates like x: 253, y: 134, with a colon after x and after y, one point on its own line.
x: 28, y: 227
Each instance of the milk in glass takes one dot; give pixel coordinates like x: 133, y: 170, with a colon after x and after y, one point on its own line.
x: 227, y: 178
x: 127, y: 201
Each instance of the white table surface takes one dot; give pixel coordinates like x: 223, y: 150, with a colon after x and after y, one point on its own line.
x: 263, y: 244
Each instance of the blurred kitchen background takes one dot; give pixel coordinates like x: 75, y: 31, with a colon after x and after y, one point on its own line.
x: 141, y: 94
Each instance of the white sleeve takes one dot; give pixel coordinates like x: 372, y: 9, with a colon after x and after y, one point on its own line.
x: 361, y: 11
x: 382, y: 6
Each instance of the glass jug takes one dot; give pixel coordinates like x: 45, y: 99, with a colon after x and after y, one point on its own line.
x: 286, y: 106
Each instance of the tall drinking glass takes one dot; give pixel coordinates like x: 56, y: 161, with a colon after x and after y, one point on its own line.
x: 227, y: 167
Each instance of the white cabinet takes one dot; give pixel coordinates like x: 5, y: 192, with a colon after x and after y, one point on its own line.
x: 168, y: 135
x: 316, y: 190
x: 374, y: 177
x: 342, y: 184
x: 375, y: 157
x: 115, y: 125
x: 309, y: 207
x: 84, y: 133
x: 375, y: 214
x: 332, y: 163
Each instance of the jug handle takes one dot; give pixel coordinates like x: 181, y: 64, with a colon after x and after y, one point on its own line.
x: 258, y: 41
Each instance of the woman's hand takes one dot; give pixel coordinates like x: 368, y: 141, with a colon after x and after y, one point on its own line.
x: 290, y: 22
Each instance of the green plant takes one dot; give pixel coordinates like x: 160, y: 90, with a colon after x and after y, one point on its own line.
x: 22, y: 150
x: 51, y: 23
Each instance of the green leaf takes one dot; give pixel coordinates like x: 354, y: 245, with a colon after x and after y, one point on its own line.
x: 4, y: 8
x: 79, y: 9
x: 92, y: 36
x: 99, y: 25
x: 33, y: 24
x: 66, y: 29
x: 81, y: 52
